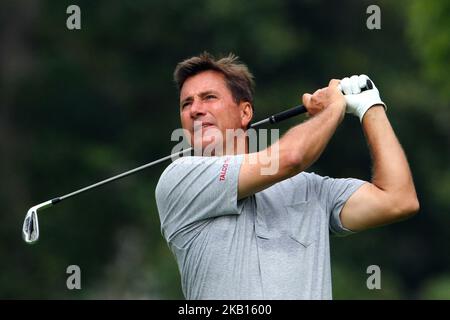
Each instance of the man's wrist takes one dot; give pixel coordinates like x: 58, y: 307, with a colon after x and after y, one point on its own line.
x: 333, y: 113
x: 338, y: 108
x: 363, y: 112
x: 373, y: 112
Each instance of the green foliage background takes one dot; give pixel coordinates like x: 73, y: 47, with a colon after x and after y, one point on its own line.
x: 80, y: 106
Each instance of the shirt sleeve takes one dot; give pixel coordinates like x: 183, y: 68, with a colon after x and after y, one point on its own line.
x: 194, y: 189
x: 333, y: 194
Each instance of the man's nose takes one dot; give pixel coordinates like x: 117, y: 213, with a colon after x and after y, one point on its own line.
x: 197, y: 108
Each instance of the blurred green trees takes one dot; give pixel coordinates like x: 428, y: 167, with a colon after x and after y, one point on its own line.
x: 80, y: 106
x: 429, y: 30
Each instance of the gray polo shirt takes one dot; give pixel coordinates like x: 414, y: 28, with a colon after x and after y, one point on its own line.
x: 272, y: 245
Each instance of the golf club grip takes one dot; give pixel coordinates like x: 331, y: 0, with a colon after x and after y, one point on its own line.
x: 287, y: 114
x: 369, y: 85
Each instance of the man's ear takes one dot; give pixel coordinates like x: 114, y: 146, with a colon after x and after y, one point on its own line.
x: 246, y: 113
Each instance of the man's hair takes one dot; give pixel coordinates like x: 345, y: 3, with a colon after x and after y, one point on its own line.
x: 238, y: 78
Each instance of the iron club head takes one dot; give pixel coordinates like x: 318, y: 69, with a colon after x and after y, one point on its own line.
x: 30, y: 229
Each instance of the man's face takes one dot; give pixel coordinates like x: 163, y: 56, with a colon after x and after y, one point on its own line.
x: 207, y: 108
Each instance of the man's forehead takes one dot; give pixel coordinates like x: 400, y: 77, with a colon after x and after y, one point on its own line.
x: 205, y: 81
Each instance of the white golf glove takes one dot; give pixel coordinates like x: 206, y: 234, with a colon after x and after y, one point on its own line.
x: 359, y: 102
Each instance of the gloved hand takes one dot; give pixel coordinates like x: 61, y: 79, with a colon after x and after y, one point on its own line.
x: 359, y: 102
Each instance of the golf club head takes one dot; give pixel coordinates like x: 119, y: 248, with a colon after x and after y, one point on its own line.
x: 30, y: 229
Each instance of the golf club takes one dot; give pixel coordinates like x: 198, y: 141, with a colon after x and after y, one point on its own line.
x: 30, y: 229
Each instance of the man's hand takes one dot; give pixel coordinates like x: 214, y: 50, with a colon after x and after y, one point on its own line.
x: 324, y: 98
x: 359, y: 102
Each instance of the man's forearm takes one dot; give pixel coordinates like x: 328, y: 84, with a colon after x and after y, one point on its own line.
x: 391, y: 172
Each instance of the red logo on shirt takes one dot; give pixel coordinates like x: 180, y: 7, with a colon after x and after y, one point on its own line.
x: 223, y: 171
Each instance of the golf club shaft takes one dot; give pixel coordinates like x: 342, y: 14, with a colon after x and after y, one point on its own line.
x: 270, y: 120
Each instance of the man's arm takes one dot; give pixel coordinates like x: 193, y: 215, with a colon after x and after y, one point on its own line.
x: 298, y: 148
x: 391, y: 195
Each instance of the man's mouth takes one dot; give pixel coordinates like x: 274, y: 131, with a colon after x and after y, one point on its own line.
x: 203, y: 126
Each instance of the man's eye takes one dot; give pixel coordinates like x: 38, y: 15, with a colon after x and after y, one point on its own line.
x: 185, y: 105
x: 210, y: 96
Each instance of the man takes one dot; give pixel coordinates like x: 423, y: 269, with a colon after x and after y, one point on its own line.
x: 237, y: 233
